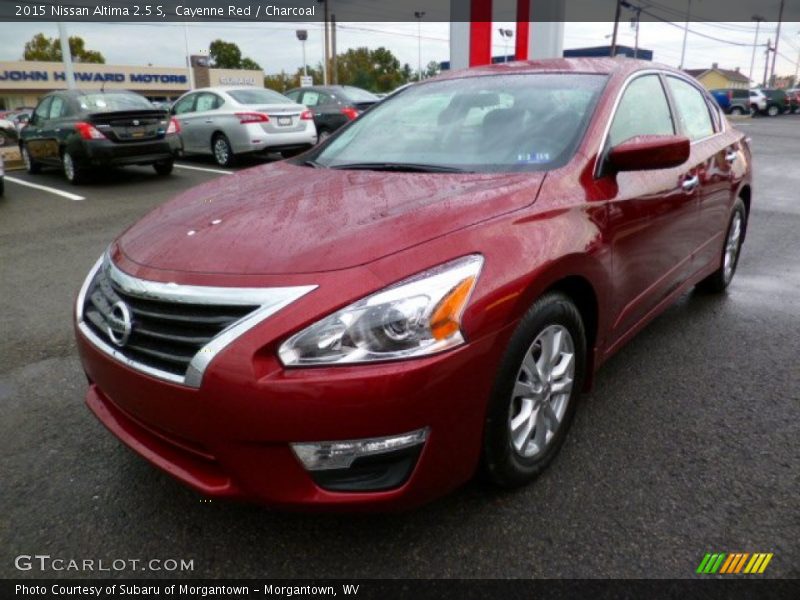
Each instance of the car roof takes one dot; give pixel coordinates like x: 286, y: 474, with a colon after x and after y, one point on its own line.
x: 600, y: 66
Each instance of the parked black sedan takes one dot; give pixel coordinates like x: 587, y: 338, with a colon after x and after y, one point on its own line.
x: 333, y: 105
x: 80, y: 130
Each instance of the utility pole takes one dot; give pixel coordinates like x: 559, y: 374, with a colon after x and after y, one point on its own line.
x: 686, y: 32
x: 766, y: 62
x: 616, y: 27
x: 418, y: 14
x: 66, y: 55
x: 636, y: 43
x: 757, y: 19
x: 188, y: 55
x: 777, y: 41
x: 334, y: 65
x: 326, y: 43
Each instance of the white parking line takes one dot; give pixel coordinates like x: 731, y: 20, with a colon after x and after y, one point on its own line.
x: 193, y: 168
x: 44, y: 188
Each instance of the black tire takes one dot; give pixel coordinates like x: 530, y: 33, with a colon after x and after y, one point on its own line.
x: 2, y: 187
x: 224, y: 158
x: 720, y: 279
x: 73, y: 173
x: 773, y: 110
x: 502, y: 464
x: 31, y: 166
x: 164, y: 167
x: 322, y: 135
x: 737, y: 110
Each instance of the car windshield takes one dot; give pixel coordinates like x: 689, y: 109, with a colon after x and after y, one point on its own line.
x: 493, y: 123
x: 113, y: 101
x: 258, y: 97
x: 358, y: 95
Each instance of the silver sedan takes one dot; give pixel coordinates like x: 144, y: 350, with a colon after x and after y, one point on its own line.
x: 229, y: 121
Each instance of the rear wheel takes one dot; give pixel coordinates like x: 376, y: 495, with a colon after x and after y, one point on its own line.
x: 773, y: 110
x: 31, y: 165
x: 222, y: 150
x: 164, y: 167
x: 74, y: 174
x: 719, y: 280
x: 534, y: 395
x: 737, y: 110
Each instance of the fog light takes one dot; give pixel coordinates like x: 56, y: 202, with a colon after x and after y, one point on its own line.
x: 322, y: 456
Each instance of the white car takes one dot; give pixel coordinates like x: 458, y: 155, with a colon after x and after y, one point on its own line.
x: 226, y: 122
x: 2, y: 174
x: 758, y: 100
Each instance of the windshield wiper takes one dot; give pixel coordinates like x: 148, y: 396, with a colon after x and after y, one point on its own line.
x: 401, y: 167
x: 314, y: 164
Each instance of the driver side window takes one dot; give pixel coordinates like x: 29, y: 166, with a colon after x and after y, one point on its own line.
x: 643, y: 110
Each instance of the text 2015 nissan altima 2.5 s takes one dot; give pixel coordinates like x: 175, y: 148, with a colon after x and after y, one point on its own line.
x: 422, y: 297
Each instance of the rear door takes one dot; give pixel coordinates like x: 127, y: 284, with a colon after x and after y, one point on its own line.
x: 58, y: 127
x: 714, y: 150
x: 327, y: 110
x: 184, y: 111
x: 205, y: 120
x: 32, y: 135
x: 651, y: 219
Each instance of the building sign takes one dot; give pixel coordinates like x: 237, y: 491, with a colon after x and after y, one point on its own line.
x: 46, y: 76
x: 237, y: 80
x: 306, y: 81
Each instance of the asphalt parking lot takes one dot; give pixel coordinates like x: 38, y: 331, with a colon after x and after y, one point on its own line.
x: 688, y: 443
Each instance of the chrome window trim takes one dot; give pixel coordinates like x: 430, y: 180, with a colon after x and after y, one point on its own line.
x: 618, y: 99
x: 268, y: 300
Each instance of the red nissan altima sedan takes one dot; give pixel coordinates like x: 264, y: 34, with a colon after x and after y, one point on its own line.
x: 422, y: 297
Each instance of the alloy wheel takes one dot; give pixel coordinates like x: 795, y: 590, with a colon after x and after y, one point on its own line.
x: 221, y: 151
x: 69, y: 166
x: 732, y: 245
x: 542, y: 391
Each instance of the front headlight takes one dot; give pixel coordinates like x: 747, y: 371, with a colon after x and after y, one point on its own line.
x: 418, y: 316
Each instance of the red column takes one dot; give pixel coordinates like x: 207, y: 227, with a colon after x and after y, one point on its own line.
x: 523, y: 29
x: 480, y: 33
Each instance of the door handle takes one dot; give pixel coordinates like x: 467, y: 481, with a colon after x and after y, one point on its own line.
x: 209, y: 120
x: 691, y: 183
x: 731, y: 156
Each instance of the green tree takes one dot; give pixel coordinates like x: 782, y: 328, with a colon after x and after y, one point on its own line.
x: 226, y: 55
x: 42, y: 48
x: 432, y: 70
x: 375, y: 70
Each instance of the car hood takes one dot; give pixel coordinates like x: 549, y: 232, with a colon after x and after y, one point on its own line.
x: 285, y: 218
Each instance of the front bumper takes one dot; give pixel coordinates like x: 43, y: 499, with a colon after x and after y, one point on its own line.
x: 231, y: 437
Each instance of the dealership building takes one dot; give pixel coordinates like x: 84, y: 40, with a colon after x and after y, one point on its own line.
x: 22, y: 83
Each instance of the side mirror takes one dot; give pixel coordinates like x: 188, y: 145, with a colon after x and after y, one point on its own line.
x: 646, y: 152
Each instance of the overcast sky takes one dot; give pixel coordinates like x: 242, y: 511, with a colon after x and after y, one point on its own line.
x: 274, y: 47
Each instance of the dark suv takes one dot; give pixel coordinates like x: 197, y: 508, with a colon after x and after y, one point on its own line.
x: 333, y: 105
x: 79, y: 130
x: 778, y: 102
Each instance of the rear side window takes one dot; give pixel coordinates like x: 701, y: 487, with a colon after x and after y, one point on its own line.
x: 57, y: 107
x: 294, y: 95
x: 207, y: 102
x: 643, y: 110
x: 42, y: 111
x: 184, y: 105
x: 692, y: 109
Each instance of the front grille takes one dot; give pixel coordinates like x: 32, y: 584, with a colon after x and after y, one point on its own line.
x: 161, y: 334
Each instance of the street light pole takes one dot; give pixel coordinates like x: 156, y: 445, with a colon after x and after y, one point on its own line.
x: 686, y: 32
x: 418, y: 14
x: 302, y: 35
x: 757, y: 19
x: 66, y: 55
x: 613, y: 52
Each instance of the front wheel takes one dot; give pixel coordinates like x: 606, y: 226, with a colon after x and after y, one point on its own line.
x: 535, y: 393
x: 720, y: 279
x: 773, y: 111
x: 164, y: 167
x: 223, y: 152
x: 737, y: 110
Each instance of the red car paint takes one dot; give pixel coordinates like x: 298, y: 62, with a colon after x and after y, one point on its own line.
x: 625, y: 246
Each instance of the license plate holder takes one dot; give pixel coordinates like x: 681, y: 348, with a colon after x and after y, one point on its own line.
x: 284, y: 121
